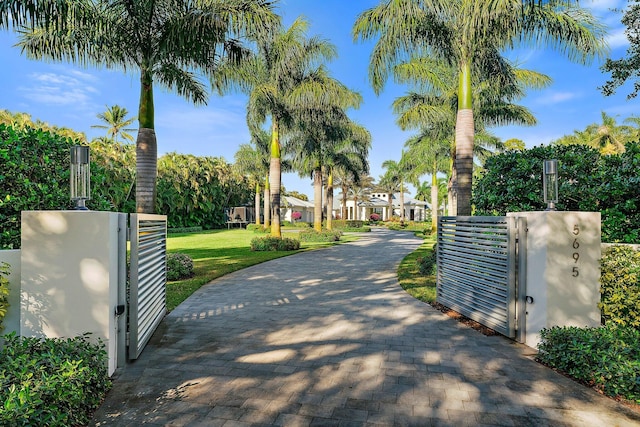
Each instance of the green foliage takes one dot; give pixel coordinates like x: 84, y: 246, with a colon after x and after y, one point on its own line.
x: 182, y: 230
x: 322, y: 236
x: 607, y: 357
x: 271, y: 243
x: 52, y: 382
x: 347, y: 223
x: 512, y: 182
x: 4, y: 292
x: 620, y: 286
x: 194, y: 191
x: 427, y: 264
x: 114, y: 179
x: 179, y: 266
x: 396, y: 226
x: 258, y: 228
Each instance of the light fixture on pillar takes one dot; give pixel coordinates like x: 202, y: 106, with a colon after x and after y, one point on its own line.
x: 80, y: 176
x: 550, y: 183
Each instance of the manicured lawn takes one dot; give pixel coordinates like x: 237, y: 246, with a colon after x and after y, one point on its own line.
x: 417, y: 285
x: 219, y: 252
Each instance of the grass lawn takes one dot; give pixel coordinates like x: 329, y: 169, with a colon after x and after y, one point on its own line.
x: 219, y: 252
x: 417, y: 285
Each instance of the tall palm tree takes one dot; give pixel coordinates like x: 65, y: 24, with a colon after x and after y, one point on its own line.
x: 285, y: 81
x: 166, y: 41
x: 470, y: 34
x: 389, y: 186
x: 359, y: 191
x: 398, y: 172
x: 116, y: 121
x: 609, y: 136
x: 253, y: 160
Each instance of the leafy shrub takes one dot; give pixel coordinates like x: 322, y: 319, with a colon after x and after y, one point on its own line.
x: 258, y: 228
x: 588, y: 181
x: 179, y: 266
x: 271, y: 243
x: 180, y: 230
x: 322, y: 236
x: 347, y: 223
x: 620, y: 286
x: 52, y: 382
x: 427, y: 264
x: 396, y: 226
x: 607, y: 357
x: 374, y: 217
x: 4, y: 292
x: 296, y: 215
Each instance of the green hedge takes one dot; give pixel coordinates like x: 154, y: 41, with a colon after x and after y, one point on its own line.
x: 347, y: 223
x: 322, y: 236
x: 4, y: 292
x: 607, y: 358
x: 181, y: 230
x: 51, y: 382
x: 620, y: 286
x: 271, y: 243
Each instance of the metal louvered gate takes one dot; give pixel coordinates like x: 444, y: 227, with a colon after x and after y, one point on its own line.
x: 481, y: 266
x: 147, y: 279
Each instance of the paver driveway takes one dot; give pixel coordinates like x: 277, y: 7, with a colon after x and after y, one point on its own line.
x: 329, y: 338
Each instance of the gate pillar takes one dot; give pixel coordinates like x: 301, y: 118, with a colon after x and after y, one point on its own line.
x: 562, y: 271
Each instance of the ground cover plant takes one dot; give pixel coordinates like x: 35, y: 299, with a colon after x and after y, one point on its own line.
x: 219, y: 252
x: 51, y: 382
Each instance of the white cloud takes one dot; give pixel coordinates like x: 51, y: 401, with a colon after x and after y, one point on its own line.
x: 617, y: 39
x: 59, y: 89
x: 556, y: 97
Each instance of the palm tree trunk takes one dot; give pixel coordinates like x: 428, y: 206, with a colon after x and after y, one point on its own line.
x: 257, y: 203
x: 275, y: 178
x: 464, y: 145
x: 266, y: 208
x: 146, y: 149
x: 330, y: 200
x: 390, y: 207
x: 343, y: 213
x: 401, y: 203
x: 434, y: 200
x: 317, y: 199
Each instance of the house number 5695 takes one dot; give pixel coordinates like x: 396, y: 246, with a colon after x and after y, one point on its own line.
x: 575, y: 272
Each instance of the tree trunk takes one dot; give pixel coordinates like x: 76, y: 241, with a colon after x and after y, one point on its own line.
x: 275, y: 180
x: 257, y: 203
x: 401, y: 203
x: 390, y: 207
x: 266, y: 205
x: 317, y: 199
x: 343, y: 213
x: 330, y: 200
x: 464, y: 145
x: 434, y: 202
x: 146, y: 149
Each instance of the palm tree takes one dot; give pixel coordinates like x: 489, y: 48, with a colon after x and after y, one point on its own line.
x: 253, y: 160
x: 470, y: 34
x: 609, y: 136
x: 116, y: 121
x: 390, y: 186
x: 360, y: 191
x: 166, y: 41
x: 286, y: 82
x: 398, y: 172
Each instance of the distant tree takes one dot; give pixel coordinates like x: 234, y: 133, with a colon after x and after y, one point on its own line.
x: 116, y: 121
x: 627, y: 68
x: 297, y: 195
x: 253, y: 160
x: 514, y: 144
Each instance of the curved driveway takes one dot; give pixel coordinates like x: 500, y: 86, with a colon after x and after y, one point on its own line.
x: 328, y: 338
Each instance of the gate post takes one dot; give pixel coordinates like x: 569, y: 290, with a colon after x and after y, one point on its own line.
x: 562, y: 271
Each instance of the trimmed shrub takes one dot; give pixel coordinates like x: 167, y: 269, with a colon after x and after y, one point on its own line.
x: 427, y: 264
x: 620, y: 286
x: 347, y: 223
x: 396, y: 226
x: 605, y: 358
x: 296, y: 215
x: 323, y: 236
x: 179, y: 266
x: 52, y: 382
x: 374, y: 217
x: 271, y: 243
x: 258, y: 228
x: 181, y: 230
x: 4, y: 292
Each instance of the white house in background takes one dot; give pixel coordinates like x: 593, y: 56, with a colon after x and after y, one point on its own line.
x: 378, y: 203
x: 290, y: 204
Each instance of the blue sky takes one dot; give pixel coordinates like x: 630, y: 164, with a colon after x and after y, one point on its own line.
x: 70, y: 96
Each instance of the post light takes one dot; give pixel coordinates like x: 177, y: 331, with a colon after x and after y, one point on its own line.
x: 550, y: 183
x: 80, y: 176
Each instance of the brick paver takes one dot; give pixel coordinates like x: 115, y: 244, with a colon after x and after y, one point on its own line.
x: 328, y: 338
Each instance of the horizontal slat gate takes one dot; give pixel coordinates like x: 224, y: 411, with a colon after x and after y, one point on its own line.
x: 148, y: 279
x: 476, y: 259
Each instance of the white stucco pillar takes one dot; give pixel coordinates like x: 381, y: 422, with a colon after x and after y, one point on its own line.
x: 562, y: 270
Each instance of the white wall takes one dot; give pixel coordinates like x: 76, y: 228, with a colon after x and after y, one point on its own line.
x: 11, y: 321
x: 70, y: 275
